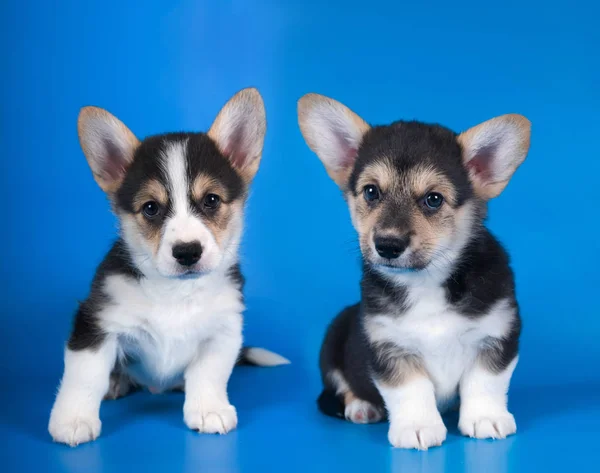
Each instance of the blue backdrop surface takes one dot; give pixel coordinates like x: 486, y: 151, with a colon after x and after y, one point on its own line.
x: 170, y: 65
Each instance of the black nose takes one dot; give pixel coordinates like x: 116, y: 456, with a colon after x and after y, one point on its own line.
x: 187, y: 254
x: 391, y: 247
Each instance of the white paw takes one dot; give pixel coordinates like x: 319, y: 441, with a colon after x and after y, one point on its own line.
x: 218, y: 419
x: 362, y: 412
x: 488, y: 426
x: 74, y: 430
x: 417, y: 435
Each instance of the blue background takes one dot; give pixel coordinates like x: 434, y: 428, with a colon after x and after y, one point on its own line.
x: 163, y: 66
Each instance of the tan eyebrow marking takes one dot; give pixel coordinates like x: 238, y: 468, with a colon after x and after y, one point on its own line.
x: 150, y: 190
x: 204, y: 184
x: 426, y: 179
x: 380, y: 172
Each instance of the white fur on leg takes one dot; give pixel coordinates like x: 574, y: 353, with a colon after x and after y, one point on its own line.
x: 206, y: 408
x: 483, y: 407
x: 415, y: 421
x: 75, y: 415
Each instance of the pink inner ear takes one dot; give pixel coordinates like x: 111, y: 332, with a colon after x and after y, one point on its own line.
x: 348, y: 153
x: 115, y: 164
x: 481, y: 163
x: 238, y: 156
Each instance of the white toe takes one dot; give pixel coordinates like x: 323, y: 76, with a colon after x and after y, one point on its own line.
x: 420, y: 437
x: 485, y: 427
x: 75, y: 431
x: 362, y: 412
x: 214, y: 420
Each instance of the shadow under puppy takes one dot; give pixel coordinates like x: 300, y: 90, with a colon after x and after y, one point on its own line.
x: 438, y: 319
x: 165, y: 307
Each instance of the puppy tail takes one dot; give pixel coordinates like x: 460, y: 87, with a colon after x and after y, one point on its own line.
x: 254, y: 356
x: 331, y: 404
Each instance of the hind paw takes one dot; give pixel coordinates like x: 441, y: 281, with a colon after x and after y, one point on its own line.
x: 362, y: 412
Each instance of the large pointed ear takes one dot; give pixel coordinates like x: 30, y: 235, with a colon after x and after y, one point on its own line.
x: 239, y: 131
x: 333, y: 132
x: 108, y: 145
x: 493, y: 150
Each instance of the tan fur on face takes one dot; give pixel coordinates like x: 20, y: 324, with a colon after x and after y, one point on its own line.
x: 380, y: 173
x: 151, y: 191
x: 219, y: 221
x: 405, y: 192
x: 204, y: 185
x: 144, y: 233
x: 364, y: 220
x: 429, y: 231
x: 365, y: 217
x: 425, y: 179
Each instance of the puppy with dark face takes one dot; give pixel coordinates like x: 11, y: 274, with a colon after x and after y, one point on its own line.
x: 438, y: 320
x: 165, y: 307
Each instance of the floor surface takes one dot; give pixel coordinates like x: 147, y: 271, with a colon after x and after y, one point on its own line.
x: 281, y: 430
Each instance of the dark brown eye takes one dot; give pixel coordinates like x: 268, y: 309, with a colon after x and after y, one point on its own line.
x: 150, y: 209
x: 434, y: 200
x: 211, y: 201
x: 371, y: 193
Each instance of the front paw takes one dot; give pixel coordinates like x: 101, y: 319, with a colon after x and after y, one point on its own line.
x: 482, y: 426
x: 216, y: 419
x: 74, y: 429
x: 419, y: 435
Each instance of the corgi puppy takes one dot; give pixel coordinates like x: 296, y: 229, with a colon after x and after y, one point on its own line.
x: 438, y: 319
x: 165, y: 307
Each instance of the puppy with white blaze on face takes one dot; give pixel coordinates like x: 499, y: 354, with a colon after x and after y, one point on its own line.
x: 438, y: 321
x: 165, y: 307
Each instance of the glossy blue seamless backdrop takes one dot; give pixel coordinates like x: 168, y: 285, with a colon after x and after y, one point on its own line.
x: 170, y: 65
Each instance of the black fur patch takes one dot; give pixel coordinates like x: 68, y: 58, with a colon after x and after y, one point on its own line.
x: 481, y: 277
x: 146, y: 166
x: 379, y: 296
x: 202, y: 156
x: 411, y: 143
x: 347, y: 351
x: 86, y: 331
x: 499, y: 353
x: 331, y: 404
x: 235, y: 275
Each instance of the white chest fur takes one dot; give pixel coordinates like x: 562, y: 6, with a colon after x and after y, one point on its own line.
x: 446, y: 341
x: 162, y: 323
